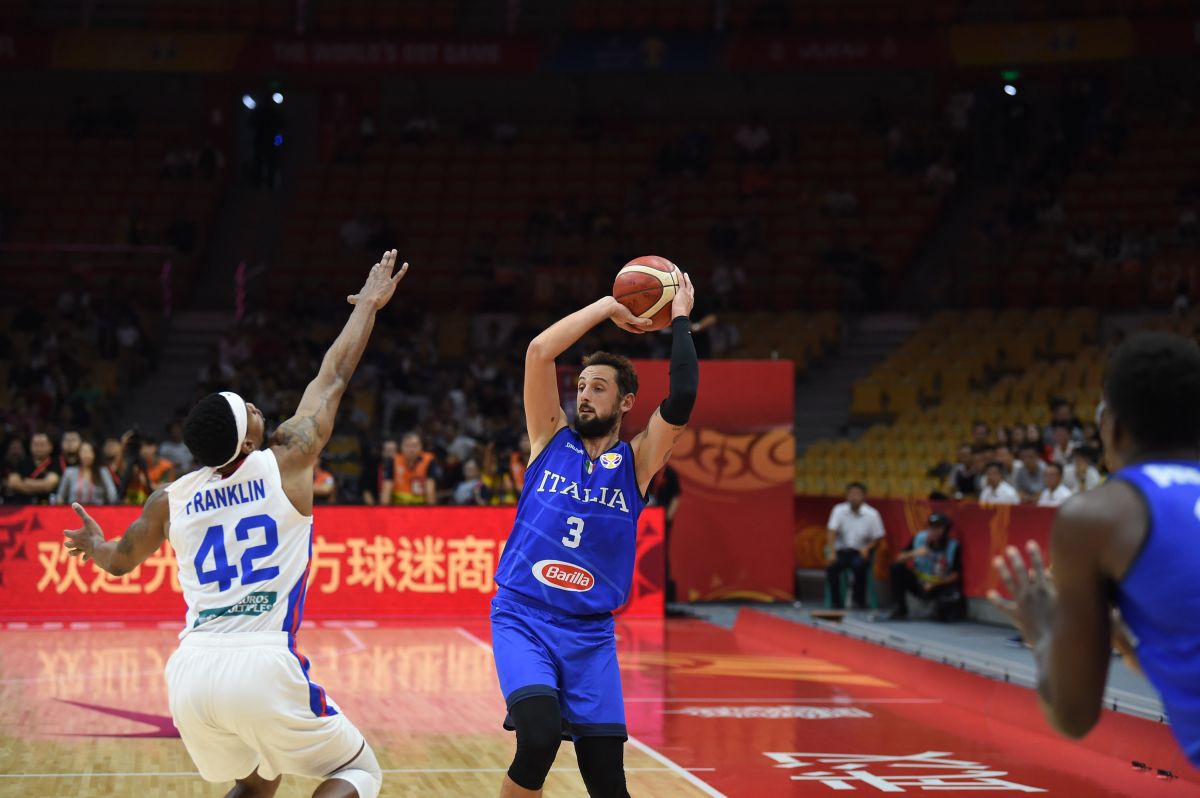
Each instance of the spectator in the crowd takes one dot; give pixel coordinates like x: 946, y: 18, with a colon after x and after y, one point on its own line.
x: 496, y: 477
x: 1062, y: 412
x: 174, y: 449
x: 518, y: 462
x: 1030, y: 479
x: 114, y: 463
x: 411, y: 476
x: 995, y: 490
x: 14, y: 458
x: 980, y: 433
x: 1016, y: 437
x: 1081, y: 474
x: 88, y: 482
x: 36, y: 479
x: 930, y: 568
x: 854, y: 530
x: 1055, y: 492
x: 1061, y: 444
x: 1033, y: 435
x: 471, y: 492
x: 324, y: 484
x: 68, y: 450
x: 149, y: 472
x: 964, y: 479
x: 1004, y: 456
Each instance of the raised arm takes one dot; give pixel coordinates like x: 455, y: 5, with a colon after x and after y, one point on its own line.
x: 652, y: 447
x: 543, y: 410
x: 297, y: 442
x: 120, y: 556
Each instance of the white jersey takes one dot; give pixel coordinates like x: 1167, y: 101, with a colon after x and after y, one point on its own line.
x: 243, y: 549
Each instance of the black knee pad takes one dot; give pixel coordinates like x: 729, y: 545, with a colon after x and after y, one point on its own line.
x: 539, y: 732
x: 602, y: 765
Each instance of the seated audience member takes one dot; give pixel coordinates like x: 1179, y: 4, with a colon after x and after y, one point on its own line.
x: 854, y: 529
x: 471, y: 492
x: 1055, y: 492
x: 174, y: 449
x: 995, y: 490
x: 36, y: 479
x: 324, y: 484
x: 88, y: 483
x: 411, y: 476
x: 1030, y: 479
x: 1081, y: 474
x: 965, y: 477
x: 930, y: 567
x: 1061, y: 443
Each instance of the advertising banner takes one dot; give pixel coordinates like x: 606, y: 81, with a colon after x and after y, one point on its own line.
x: 1009, y: 44
x: 367, y: 563
x: 732, y: 535
x: 632, y: 52
x: 836, y: 50
x: 391, y: 55
x: 982, y: 531
x: 147, y: 50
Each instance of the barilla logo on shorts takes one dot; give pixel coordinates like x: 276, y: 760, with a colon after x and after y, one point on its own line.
x: 610, y: 460
x: 563, y: 575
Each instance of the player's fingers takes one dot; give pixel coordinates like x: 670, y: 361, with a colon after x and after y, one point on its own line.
x: 399, y: 275
x: 1035, y: 560
x: 352, y: 299
x: 1002, y: 569
x: 79, y: 511
x: 1017, y: 562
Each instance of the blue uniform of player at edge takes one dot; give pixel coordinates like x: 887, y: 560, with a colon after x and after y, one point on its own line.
x: 569, y: 561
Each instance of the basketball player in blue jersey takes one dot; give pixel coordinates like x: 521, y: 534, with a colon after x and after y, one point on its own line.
x: 569, y: 561
x: 1134, y: 542
x: 241, y: 527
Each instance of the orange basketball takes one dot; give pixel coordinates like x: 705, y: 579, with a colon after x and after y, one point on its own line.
x: 646, y: 286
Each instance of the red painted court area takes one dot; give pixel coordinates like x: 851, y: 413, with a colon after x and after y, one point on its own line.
x: 777, y: 709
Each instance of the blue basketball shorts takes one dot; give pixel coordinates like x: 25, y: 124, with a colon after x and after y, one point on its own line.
x: 571, y: 658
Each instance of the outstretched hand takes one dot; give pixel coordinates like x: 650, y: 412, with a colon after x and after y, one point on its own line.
x: 685, y: 297
x: 83, y: 541
x: 1034, y: 596
x: 381, y: 283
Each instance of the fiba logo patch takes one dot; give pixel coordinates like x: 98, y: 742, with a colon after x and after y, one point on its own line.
x: 610, y: 460
x: 563, y: 575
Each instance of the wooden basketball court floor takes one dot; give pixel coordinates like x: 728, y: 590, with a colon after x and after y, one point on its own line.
x: 768, y: 708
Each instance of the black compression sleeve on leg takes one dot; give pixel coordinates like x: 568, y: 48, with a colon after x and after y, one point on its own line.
x: 602, y: 765
x: 538, y: 722
x: 676, y: 409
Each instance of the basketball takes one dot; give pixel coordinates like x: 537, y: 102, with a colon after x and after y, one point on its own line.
x: 646, y: 286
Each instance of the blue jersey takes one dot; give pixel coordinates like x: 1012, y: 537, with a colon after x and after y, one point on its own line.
x: 1158, y: 596
x: 573, y: 544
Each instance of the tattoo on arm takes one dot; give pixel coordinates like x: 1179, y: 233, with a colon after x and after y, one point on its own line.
x: 299, y: 433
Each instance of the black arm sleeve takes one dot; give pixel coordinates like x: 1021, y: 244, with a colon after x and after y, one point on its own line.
x: 685, y: 375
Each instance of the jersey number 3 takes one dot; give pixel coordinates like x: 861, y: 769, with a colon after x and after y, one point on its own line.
x: 222, y: 572
x: 575, y: 533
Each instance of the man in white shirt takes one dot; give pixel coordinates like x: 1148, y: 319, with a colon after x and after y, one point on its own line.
x: 1081, y: 475
x: 995, y: 489
x: 854, y: 529
x: 1055, y: 492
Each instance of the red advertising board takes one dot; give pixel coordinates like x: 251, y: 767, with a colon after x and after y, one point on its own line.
x: 982, y: 531
x: 392, y: 55
x: 732, y: 534
x: 846, y: 49
x: 367, y: 563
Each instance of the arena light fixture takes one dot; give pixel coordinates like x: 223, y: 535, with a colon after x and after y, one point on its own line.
x: 1010, y: 90
x: 277, y: 98
x: 249, y: 102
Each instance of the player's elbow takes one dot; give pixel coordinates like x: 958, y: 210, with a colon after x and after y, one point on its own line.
x: 118, y: 569
x: 536, y: 352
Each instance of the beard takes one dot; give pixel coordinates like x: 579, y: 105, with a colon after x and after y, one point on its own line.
x: 596, y: 426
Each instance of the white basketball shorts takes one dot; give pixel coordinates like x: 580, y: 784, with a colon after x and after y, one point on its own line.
x: 243, y: 701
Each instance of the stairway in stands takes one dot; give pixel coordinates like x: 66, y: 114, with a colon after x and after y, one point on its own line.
x: 172, y: 388
x: 823, y: 395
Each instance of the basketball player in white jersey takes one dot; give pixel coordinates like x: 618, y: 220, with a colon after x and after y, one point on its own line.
x: 241, y: 527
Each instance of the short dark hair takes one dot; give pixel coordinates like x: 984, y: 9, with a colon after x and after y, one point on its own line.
x: 210, y: 431
x: 1055, y: 465
x: 1153, y: 385
x: 993, y: 464
x: 1031, y: 447
x: 858, y: 485
x: 627, y: 381
x: 1060, y: 425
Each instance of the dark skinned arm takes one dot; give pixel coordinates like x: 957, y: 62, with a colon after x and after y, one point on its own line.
x: 120, y: 556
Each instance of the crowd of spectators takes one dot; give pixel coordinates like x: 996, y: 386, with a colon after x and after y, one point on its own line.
x: 1028, y: 464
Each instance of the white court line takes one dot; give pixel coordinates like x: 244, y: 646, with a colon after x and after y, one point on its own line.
x: 671, y: 765
x: 359, y: 645
x: 778, y: 700
x: 395, y: 771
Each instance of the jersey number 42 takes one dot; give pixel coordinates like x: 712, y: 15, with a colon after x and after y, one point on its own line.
x: 213, y: 547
